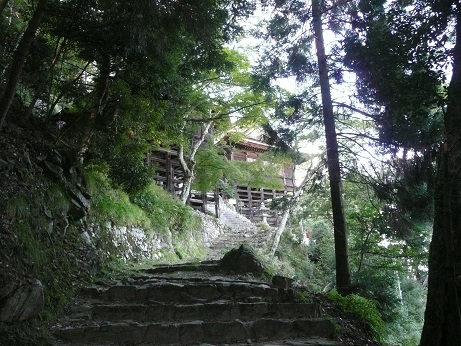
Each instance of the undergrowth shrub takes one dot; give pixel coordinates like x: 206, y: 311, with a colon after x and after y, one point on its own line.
x: 168, y: 216
x: 164, y: 211
x: 109, y: 204
x: 364, y: 309
x: 152, y: 209
x: 290, y: 260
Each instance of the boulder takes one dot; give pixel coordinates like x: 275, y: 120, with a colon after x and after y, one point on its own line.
x: 20, y: 299
x: 242, y: 260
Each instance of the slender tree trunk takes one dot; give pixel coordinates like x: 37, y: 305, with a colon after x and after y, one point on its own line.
x: 442, y: 319
x: 19, y: 57
x: 286, y: 213
x: 100, y: 98
x: 280, y: 229
x: 46, y: 78
x: 343, y: 279
x: 189, y: 169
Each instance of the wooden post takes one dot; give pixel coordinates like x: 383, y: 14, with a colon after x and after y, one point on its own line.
x: 204, y: 201
x: 216, y: 203
x: 169, y: 173
x: 250, y: 203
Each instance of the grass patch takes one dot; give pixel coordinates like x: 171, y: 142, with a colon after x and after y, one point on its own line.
x: 152, y: 209
x: 363, y: 309
x: 109, y: 204
x: 164, y: 211
x: 171, y: 218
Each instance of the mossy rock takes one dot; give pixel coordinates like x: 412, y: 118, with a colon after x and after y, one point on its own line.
x: 242, y: 260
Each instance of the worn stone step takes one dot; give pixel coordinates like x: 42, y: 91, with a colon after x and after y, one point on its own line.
x: 179, y: 292
x: 314, y: 341
x: 221, y: 332
x: 246, y: 237
x: 149, y: 276
x: 206, y: 266
x: 216, y: 311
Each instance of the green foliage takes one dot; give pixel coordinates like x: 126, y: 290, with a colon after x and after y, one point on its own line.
x: 364, y: 309
x: 264, y: 226
x: 291, y: 261
x: 129, y: 170
x: 380, y: 255
x: 321, y: 254
x: 111, y: 204
x: 151, y: 208
x: 211, y: 168
x: 405, y: 329
x: 413, y: 55
x: 214, y: 169
x: 259, y: 174
x: 381, y: 248
x: 165, y: 212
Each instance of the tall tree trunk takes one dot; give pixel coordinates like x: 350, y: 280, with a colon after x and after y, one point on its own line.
x: 343, y: 279
x: 19, y: 57
x: 442, y: 319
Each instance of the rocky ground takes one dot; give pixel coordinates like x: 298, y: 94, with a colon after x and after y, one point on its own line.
x: 41, y: 260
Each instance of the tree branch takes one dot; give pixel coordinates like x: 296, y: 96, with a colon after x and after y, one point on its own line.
x: 354, y: 109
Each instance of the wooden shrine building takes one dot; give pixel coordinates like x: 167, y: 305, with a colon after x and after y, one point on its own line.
x: 253, y: 203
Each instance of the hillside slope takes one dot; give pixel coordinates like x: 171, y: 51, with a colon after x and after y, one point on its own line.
x: 44, y: 257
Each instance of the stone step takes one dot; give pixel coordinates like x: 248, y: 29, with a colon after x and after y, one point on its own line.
x: 216, y: 311
x: 152, y: 292
x: 206, y: 266
x: 232, y: 240
x: 312, y: 341
x: 191, y: 304
x: 222, y: 332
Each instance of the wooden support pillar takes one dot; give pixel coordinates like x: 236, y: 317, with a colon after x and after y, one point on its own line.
x: 169, y: 173
x: 216, y: 203
x: 204, y: 201
x: 250, y: 203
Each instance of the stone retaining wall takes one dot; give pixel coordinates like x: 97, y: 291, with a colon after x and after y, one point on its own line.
x: 130, y: 243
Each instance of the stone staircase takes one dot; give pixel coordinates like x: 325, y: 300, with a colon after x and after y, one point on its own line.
x: 240, y: 231
x: 191, y: 304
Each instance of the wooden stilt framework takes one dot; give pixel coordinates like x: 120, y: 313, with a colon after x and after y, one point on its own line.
x: 253, y: 203
x: 170, y: 176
